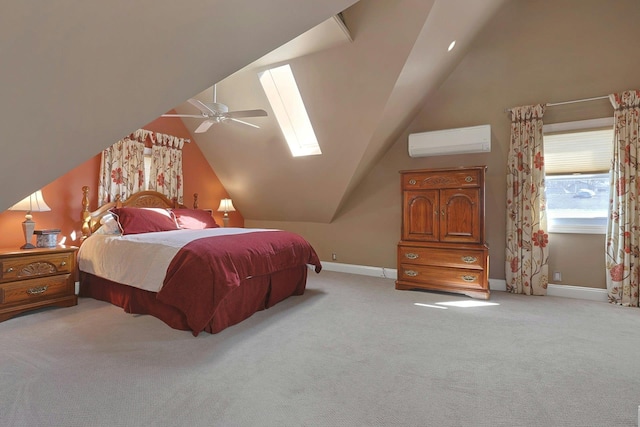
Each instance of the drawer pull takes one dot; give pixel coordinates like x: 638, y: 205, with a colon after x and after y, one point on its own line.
x: 468, y: 179
x: 412, y: 181
x: 469, y: 278
x: 38, y: 290
x: 411, y: 273
x: 63, y: 263
x: 9, y: 270
x: 411, y: 255
x: 469, y: 259
x: 442, y: 212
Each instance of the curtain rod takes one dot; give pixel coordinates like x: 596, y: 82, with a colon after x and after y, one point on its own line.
x: 553, y: 104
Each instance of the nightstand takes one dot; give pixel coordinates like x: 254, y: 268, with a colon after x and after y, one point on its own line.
x: 36, y: 278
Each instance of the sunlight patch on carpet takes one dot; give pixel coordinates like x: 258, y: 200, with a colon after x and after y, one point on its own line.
x: 429, y: 305
x: 467, y: 303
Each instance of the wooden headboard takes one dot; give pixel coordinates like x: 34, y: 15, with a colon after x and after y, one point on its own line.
x: 142, y: 199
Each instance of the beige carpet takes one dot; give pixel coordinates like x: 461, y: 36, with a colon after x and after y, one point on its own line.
x: 351, y: 352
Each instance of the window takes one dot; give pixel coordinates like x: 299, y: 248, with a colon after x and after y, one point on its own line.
x: 282, y: 91
x: 577, y: 159
x: 147, y: 167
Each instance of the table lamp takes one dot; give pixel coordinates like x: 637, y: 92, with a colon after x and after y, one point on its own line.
x: 226, y: 206
x: 32, y: 203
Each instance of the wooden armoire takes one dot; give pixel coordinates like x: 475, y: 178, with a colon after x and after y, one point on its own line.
x: 443, y: 246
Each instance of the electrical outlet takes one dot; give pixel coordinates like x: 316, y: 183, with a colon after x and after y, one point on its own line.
x: 557, y: 276
x: 334, y: 256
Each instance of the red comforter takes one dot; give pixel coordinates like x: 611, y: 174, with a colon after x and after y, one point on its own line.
x: 204, y: 271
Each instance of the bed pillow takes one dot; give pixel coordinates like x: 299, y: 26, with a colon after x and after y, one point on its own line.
x: 194, y: 219
x: 108, y: 225
x: 144, y: 220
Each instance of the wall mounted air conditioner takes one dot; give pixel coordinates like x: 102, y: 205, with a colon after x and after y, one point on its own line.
x: 474, y: 139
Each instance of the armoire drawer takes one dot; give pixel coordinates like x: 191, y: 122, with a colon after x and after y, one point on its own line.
x: 444, y: 257
x: 437, y: 179
x: 442, y: 276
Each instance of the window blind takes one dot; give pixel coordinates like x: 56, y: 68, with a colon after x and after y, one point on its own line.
x: 578, y: 152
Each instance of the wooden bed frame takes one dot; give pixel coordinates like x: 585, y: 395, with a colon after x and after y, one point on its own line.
x: 254, y: 294
x: 142, y: 199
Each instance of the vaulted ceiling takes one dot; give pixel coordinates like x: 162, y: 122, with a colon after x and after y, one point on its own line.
x: 83, y: 74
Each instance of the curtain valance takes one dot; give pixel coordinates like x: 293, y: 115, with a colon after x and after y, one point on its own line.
x: 123, y: 171
x: 156, y: 138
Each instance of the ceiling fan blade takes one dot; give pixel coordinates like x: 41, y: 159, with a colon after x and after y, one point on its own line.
x: 245, y: 113
x: 204, y: 126
x: 202, y: 107
x: 244, y: 123
x: 194, y: 116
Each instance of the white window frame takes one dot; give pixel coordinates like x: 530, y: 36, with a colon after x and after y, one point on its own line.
x: 571, y: 127
x: 147, y: 167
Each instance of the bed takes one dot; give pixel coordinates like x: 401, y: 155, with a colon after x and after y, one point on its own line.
x: 193, y: 275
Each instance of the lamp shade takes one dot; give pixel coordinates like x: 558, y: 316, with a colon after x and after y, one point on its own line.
x: 226, y: 206
x: 33, y: 203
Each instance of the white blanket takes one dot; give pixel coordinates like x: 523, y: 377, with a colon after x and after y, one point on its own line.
x: 141, y: 260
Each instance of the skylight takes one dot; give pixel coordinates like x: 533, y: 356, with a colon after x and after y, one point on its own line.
x: 285, y: 99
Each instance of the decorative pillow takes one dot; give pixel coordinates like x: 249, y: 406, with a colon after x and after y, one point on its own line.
x: 194, y: 219
x: 144, y: 220
x: 109, y: 225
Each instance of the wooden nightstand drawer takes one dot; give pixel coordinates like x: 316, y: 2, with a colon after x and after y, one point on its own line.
x: 23, y: 267
x: 35, y: 289
x: 36, y: 278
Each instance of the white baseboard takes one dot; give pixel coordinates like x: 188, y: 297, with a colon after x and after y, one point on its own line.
x: 566, y: 291
x: 364, y: 270
x: 579, y: 292
x: 497, y: 285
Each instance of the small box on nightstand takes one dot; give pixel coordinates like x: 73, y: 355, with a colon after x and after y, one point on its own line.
x: 47, y: 238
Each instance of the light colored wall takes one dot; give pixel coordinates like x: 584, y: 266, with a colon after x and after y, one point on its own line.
x: 532, y: 51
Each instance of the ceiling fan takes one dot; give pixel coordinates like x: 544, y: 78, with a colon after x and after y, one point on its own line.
x: 215, y: 112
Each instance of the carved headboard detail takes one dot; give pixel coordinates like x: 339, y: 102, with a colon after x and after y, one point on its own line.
x: 142, y: 199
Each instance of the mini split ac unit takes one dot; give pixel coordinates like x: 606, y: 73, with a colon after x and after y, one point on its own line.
x: 474, y: 139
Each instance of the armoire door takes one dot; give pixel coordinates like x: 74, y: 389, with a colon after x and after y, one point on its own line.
x: 460, y: 215
x: 421, y: 216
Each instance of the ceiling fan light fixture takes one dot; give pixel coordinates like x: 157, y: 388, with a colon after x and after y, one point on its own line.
x: 218, y: 107
x: 216, y: 112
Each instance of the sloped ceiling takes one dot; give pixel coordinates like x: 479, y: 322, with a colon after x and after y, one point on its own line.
x: 78, y: 76
x: 83, y: 74
x: 360, y: 95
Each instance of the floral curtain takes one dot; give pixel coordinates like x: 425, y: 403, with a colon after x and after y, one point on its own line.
x: 166, y: 166
x: 623, y: 226
x: 527, y: 253
x: 122, y: 166
x: 121, y: 170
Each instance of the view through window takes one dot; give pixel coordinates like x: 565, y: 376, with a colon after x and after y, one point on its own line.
x: 577, y: 203
x: 577, y: 164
